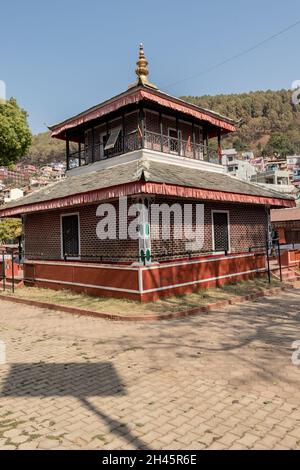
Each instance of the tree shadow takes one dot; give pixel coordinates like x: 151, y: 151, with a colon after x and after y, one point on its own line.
x: 77, y: 380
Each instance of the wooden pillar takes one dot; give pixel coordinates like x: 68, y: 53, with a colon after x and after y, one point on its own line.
x: 107, y: 134
x: 178, y: 139
x: 79, y: 153
x: 194, y: 139
x: 161, y: 133
x: 142, y: 126
x: 123, y: 133
x: 219, y: 147
x: 205, y: 140
x: 67, y: 150
x: 93, y: 144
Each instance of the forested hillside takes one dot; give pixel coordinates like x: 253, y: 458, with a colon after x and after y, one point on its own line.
x: 45, y: 150
x: 270, y: 124
x: 269, y: 121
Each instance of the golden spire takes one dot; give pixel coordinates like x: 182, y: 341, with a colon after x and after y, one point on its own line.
x: 142, y: 71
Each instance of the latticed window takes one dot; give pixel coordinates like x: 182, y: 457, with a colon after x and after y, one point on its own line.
x: 221, y: 231
x: 70, y: 235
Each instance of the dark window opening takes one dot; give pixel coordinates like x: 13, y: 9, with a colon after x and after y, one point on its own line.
x: 221, y: 231
x: 70, y: 236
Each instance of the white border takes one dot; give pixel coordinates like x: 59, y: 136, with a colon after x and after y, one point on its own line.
x: 199, y: 281
x: 61, y: 236
x: 146, y: 291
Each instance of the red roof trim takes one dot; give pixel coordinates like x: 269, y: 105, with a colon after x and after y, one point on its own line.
x: 213, y: 195
x: 146, y: 188
x: 134, y: 97
x: 181, y: 107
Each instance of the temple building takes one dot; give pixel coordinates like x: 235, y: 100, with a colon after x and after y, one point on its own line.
x: 144, y: 148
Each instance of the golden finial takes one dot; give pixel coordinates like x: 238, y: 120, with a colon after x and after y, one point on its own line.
x: 142, y: 70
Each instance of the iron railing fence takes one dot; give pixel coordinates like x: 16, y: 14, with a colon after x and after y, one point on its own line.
x: 88, y: 257
x: 161, y: 257
x: 177, y: 146
x: 18, y: 257
x: 148, y: 140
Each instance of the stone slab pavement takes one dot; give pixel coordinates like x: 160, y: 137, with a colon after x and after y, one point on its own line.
x: 220, y: 380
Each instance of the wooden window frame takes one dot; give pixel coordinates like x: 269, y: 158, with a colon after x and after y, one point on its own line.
x: 216, y: 211
x: 74, y: 258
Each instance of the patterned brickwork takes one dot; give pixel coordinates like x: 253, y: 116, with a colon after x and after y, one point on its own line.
x: 248, y: 226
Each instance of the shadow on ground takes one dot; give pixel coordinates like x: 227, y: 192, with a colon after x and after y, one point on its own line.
x: 77, y: 380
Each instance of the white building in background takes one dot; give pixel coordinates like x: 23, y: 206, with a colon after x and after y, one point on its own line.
x: 296, y: 176
x: 13, y: 194
x: 272, y: 176
x: 293, y: 161
x: 235, y: 166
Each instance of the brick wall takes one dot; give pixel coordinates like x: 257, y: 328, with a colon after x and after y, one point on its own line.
x: 248, y: 225
x: 43, y: 237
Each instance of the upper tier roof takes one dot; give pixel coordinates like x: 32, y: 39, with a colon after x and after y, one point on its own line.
x: 143, y: 90
x: 143, y: 93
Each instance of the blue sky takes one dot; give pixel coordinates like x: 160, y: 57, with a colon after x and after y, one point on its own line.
x: 60, y: 57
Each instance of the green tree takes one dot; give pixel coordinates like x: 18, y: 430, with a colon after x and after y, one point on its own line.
x: 278, y: 144
x: 10, y: 228
x: 15, y: 136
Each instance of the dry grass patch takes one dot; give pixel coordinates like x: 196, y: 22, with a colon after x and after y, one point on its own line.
x: 200, y: 297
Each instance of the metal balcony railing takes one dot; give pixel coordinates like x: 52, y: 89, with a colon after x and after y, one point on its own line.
x: 148, y: 140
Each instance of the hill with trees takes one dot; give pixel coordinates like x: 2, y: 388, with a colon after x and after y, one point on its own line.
x: 44, y: 149
x: 269, y: 123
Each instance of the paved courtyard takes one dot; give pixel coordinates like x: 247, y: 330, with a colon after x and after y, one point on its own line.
x: 216, y: 381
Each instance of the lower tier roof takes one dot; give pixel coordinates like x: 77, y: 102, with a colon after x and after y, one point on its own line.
x: 145, y: 176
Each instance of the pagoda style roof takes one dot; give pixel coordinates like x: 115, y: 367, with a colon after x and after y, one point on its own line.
x: 145, y: 177
x: 143, y: 90
x: 144, y: 93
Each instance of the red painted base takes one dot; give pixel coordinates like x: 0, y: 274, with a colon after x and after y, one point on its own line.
x: 144, y: 283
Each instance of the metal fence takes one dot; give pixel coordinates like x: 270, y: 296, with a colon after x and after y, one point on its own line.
x: 138, y: 258
x: 9, y: 260
x: 148, y: 140
x: 15, y: 258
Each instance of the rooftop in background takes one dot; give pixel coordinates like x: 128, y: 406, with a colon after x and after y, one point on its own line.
x: 229, y: 152
x: 284, y: 215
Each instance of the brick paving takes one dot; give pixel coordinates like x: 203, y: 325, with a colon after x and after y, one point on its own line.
x: 215, y: 381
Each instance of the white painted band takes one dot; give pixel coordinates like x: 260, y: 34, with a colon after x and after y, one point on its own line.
x: 203, y: 280
x: 141, y: 290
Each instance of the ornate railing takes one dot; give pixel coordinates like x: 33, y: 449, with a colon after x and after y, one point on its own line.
x: 183, y: 148
x: 149, y: 140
